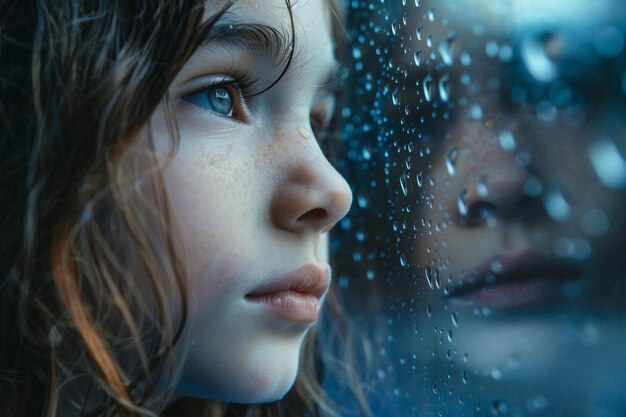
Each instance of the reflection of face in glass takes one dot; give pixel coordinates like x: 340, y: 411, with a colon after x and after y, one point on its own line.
x: 522, y: 295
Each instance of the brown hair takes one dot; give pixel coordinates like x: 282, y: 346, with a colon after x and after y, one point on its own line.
x: 83, y: 208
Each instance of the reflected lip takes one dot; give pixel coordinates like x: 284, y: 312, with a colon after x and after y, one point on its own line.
x: 513, y: 280
x: 297, y: 295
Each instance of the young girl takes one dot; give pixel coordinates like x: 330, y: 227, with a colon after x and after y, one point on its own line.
x: 165, y: 205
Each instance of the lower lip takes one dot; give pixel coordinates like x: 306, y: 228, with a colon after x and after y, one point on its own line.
x: 290, y: 305
x: 511, y: 295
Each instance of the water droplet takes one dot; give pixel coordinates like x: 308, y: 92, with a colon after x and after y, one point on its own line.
x: 496, y: 266
x: 546, y: 111
x: 444, y: 88
x: 498, y: 408
x: 507, y: 141
x: 362, y: 201
x: 451, y: 160
x: 491, y: 49
x: 395, y: 97
x: 536, y: 59
x: 418, y: 3
x: 608, y: 42
x: 595, y: 222
x: 428, y: 87
x: 466, y: 59
x: 455, y: 319
x: 417, y: 58
x: 496, y: 374
x: 608, y: 164
x: 578, y: 249
x: 403, y: 261
x: 556, y: 206
x: 464, y: 377
x: 446, y: 51
x: 481, y: 187
x: 403, y: 184
x: 533, y: 187
x: 429, y: 277
x: 450, y: 334
x: 431, y: 14
x: 429, y: 311
x: 476, y: 112
x: 505, y: 53
x: 419, y: 32
x: 393, y: 28
x: 370, y: 275
x: 343, y: 282
x: 537, y: 403
x: 304, y: 133
x: 461, y: 202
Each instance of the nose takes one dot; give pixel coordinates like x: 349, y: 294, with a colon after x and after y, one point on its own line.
x: 489, y: 184
x: 311, y: 195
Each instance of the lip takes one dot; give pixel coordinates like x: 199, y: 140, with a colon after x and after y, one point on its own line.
x: 507, y: 281
x: 295, y: 296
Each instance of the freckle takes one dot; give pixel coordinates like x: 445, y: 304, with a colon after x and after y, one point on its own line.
x: 304, y: 133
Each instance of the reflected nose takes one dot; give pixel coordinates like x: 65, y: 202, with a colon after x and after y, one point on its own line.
x: 312, y: 196
x: 489, y: 184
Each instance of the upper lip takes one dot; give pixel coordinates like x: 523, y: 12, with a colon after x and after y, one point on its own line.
x: 517, y: 267
x: 311, y: 279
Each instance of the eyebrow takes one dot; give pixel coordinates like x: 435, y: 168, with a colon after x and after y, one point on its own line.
x: 271, y: 44
x: 259, y: 40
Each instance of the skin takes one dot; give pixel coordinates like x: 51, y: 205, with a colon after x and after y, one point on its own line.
x: 534, y: 356
x: 253, y: 200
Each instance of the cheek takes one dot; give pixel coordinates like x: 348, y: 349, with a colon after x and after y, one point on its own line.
x: 218, y: 194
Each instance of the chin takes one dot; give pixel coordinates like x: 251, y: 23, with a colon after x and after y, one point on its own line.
x: 265, y: 375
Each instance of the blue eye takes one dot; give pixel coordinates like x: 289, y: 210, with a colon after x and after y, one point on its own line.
x: 217, y: 99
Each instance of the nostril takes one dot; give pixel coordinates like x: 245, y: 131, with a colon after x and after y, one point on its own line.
x: 313, y: 215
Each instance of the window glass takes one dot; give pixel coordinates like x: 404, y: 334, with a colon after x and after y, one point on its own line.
x: 485, y: 253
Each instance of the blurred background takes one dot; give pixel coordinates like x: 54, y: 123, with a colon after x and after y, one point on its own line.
x: 484, y: 257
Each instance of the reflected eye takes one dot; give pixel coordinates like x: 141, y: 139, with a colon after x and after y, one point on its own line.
x: 218, y: 99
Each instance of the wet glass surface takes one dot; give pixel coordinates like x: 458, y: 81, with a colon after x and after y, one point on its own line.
x: 485, y: 252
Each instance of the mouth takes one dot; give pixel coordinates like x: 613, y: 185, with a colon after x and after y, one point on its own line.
x: 295, y: 296
x: 524, y: 279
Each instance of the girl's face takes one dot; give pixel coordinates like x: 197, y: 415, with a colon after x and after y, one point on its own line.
x: 253, y: 196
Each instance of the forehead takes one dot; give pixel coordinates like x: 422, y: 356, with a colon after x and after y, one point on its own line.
x: 311, y: 19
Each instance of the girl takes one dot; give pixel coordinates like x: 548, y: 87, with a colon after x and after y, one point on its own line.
x: 165, y: 205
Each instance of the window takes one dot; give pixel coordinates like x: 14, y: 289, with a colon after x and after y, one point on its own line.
x: 485, y: 253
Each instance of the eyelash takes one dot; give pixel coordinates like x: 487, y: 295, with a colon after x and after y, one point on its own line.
x: 240, y: 89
